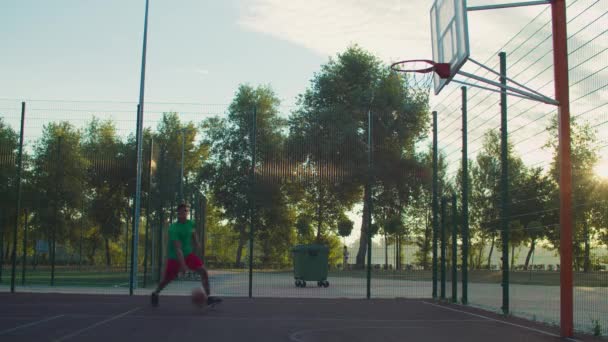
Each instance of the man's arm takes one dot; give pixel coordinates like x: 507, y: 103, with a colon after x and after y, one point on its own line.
x: 180, y: 255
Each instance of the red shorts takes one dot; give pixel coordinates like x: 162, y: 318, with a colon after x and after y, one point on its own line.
x: 192, y: 261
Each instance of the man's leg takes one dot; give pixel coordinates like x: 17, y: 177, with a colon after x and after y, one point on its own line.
x: 171, y: 271
x: 204, y: 279
x: 196, y: 264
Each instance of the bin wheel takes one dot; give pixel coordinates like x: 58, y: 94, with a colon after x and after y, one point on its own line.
x: 319, y: 283
x: 303, y: 283
x: 325, y: 283
x: 297, y: 283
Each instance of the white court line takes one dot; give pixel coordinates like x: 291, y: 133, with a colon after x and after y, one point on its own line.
x: 78, y: 332
x: 296, y: 319
x: 501, y: 321
x: 295, y: 336
x: 29, y: 325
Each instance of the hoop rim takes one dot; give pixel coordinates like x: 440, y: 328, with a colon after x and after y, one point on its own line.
x: 442, y: 69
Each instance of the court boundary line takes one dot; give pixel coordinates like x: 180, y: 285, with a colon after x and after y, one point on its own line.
x: 292, y: 336
x: 80, y: 331
x: 502, y: 321
x: 27, y: 325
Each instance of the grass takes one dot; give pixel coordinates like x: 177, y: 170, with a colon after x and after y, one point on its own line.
x: 72, y: 276
x: 118, y: 276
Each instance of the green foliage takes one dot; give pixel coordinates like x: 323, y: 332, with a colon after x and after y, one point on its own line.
x: 345, y: 227
x: 59, y: 174
x: 227, y: 172
x: 584, y: 157
x: 332, y: 118
x: 485, y: 204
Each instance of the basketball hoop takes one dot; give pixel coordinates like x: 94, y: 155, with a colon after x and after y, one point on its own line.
x: 422, y: 66
x: 420, y: 72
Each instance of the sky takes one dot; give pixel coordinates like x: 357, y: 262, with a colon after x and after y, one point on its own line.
x: 200, y: 51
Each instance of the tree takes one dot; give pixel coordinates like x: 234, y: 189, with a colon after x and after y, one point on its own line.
x: 8, y: 152
x: 345, y: 226
x: 227, y: 172
x: 333, y: 112
x: 486, y: 187
x: 107, y: 177
x: 583, y: 157
x: 59, y: 173
x: 532, y: 206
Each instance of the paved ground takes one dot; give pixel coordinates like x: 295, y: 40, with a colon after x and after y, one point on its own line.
x: 534, y: 302
x: 57, y: 317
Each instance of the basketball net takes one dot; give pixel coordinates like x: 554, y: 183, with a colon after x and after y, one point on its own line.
x: 419, y: 73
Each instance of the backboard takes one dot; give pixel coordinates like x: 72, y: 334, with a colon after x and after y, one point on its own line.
x: 450, y: 37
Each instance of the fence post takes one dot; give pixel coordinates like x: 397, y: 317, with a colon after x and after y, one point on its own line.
x: 203, y: 218
x: 52, y: 248
x: 504, y: 187
x: 148, y: 206
x: 454, y: 250
x: 1, y: 245
x: 369, y: 202
x: 252, y: 198
x: 23, y: 262
x: 465, y: 202
x: 435, y: 204
x: 443, y: 246
x: 15, y: 229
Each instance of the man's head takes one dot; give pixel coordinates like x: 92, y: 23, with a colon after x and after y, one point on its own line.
x: 182, y: 212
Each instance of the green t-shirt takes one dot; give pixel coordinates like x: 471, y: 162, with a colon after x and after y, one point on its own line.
x: 180, y: 232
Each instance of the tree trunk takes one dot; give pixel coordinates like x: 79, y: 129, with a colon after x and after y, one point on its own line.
x: 363, y: 238
x: 587, y: 260
x: 480, y: 252
x: 426, y: 246
x: 396, y: 254
x: 491, y: 250
x: 512, y: 256
x: 239, y: 249
x: 319, y: 213
x: 532, y: 245
x: 385, y: 252
x: 108, y: 261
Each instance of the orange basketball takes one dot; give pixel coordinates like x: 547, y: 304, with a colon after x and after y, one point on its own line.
x: 199, y: 297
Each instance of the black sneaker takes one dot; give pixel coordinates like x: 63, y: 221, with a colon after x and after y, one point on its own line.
x: 154, y: 299
x: 211, y: 300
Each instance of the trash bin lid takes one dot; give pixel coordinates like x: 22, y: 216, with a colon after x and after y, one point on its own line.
x: 310, y: 248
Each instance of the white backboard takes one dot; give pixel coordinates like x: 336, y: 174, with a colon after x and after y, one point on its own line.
x: 450, y: 37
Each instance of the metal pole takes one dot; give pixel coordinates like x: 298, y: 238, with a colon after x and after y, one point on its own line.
x: 454, y: 250
x: 81, y: 236
x: 23, y: 259
x: 560, y: 62
x: 504, y: 157
x: 140, y: 119
x: 18, y: 211
x: 252, y: 199
x: 148, y: 206
x: 203, y: 218
x: 443, y: 245
x: 181, y: 178
x: 435, y: 204
x: 369, y: 202
x: 1, y: 244
x: 54, y: 232
x: 465, y: 202
x: 510, y: 5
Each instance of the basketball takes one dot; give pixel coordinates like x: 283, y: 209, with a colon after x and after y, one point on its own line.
x: 199, y: 296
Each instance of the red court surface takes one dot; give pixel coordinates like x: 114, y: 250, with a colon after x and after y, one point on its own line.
x: 62, y: 317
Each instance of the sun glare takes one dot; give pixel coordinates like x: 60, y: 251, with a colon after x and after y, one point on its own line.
x: 601, y: 169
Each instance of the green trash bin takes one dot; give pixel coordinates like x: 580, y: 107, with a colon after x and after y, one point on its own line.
x: 310, y: 263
